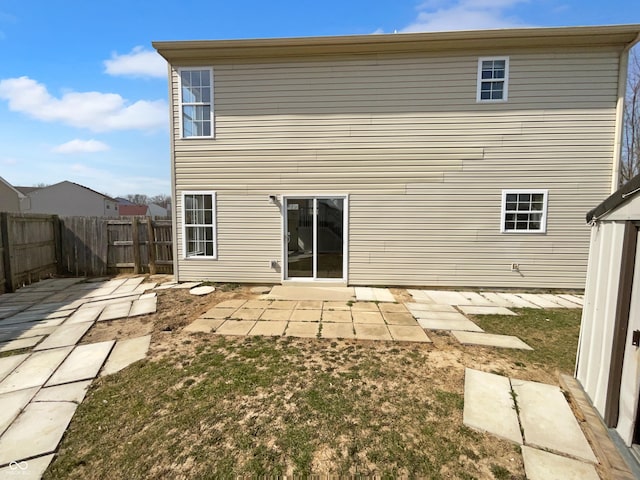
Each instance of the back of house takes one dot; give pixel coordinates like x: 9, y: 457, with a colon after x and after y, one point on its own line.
x: 442, y: 159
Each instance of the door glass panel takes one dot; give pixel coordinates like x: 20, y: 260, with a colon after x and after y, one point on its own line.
x: 330, y: 237
x: 299, y: 237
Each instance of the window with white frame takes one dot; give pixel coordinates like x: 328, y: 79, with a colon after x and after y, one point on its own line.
x: 493, y: 78
x: 524, y: 211
x: 196, y: 102
x: 199, y: 219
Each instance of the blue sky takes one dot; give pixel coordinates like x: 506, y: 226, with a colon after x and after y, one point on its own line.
x: 83, y: 96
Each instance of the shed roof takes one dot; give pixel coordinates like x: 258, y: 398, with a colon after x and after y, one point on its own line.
x: 621, y: 196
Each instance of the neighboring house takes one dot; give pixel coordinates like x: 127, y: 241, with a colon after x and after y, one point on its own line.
x: 156, y: 211
x: 68, y: 199
x: 137, y: 210
x: 607, y: 365
x: 10, y: 198
x: 441, y: 159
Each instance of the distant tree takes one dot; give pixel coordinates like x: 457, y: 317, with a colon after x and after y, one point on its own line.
x: 163, y: 200
x: 630, y: 165
x: 41, y: 185
x: 138, y: 198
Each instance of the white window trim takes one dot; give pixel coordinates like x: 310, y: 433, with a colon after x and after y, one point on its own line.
x: 214, y: 225
x: 543, y: 220
x: 505, y: 90
x: 181, y: 104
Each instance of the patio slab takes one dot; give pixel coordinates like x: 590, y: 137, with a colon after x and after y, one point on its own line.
x: 115, y: 311
x: 430, y: 307
x: 236, y: 303
x: 247, y: 314
x: 37, y: 431
x: 186, y: 285
x: 8, y: 364
x: 144, y: 306
x: 126, y: 352
x: 69, y: 392
x: 302, y: 329
x: 497, y: 300
x: 408, y: 333
x: 420, y: 296
x: 490, y: 340
x: 518, y: 302
x: 273, y: 328
x: 19, y: 343
x: 453, y: 325
x: 87, y: 314
x: 369, y: 294
x: 283, y: 304
x: 399, y: 318
x: 65, y: 335
x: 538, y: 300
x: 204, y: 325
x: 309, y: 305
x: 439, y: 315
x: 83, y: 363
x: 371, y: 332
x: 337, y: 330
x: 559, y: 300
x: 388, y: 307
x: 488, y: 405
x: 369, y: 306
x: 257, y: 304
x: 235, y: 327
x: 541, y: 465
x: 338, y: 316
x: 573, y: 298
x: 12, y: 403
x: 484, y: 310
x: 32, y: 469
x: 276, y: 315
x: 447, y: 297
x: 35, y: 370
x: 476, y: 299
x: 544, y: 412
x: 286, y: 292
x: 367, y: 317
x: 219, y: 313
x: 306, y: 316
x: 335, y: 306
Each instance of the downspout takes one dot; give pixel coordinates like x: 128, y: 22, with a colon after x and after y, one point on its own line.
x: 619, y: 129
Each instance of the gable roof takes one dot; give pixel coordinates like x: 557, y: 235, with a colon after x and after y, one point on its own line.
x: 220, y: 50
x: 616, y: 199
x: 132, y: 209
x: 15, y: 189
x: 28, y: 190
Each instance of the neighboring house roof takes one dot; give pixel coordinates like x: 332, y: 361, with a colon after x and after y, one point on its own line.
x: 15, y: 189
x: 616, y: 199
x: 212, y: 50
x: 124, y: 201
x: 132, y: 209
x: 28, y: 190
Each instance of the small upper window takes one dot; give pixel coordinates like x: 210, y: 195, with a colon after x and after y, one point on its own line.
x: 524, y: 211
x: 196, y: 102
x: 493, y: 78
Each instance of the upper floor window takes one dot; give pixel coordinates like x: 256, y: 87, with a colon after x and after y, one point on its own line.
x: 493, y: 79
x: 524, y: 211
x: 196, y: 102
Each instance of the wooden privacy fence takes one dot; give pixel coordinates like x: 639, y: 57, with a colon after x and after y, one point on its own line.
x: 37, y: 246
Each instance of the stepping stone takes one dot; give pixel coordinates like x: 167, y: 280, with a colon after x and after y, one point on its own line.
x: 60, y: 314
x: 548, y: 422
x: 302, y: 329
x: 83, y: 363
x: 447, y: 298
x: 260, y: 290
x: 12, y: 403
x: 271, y: 329
x: 483, y: 310
x: 248, y: 314
x: 420, y: 296
x: 35, y: 370
x: 541, y: 465
x: 371, y: 332
x: 517, y: 301
x: 65, y: 335
x: 538, y: 300
x: 342, y: 316
x: 186, y: 285
x: 573, y: 298
x: 37, y: 431
x: 408, y: 333
x: 427, y: 307
x: 306, y: 316
x: 204, y: 325
x: 364, y: 317
x: 69, y: 392
x: 231, y: 304
x: 115, y: 311
x: 453, y: 325
x: 475, y: 299
x: 488, y: 405
x: 32, y: 469
x: 200, y: 291
x: 373, y: 307
x: 399, y: 318
x: 235, y: 327
x: 87, y: 314
x: 143, y: 307
x: 8, y: 364
x: 148, y: 295
x: 166, y: 285
x: 276, y: 315
x: 559, y: 300
x: 439, y: 315
x: 219, y: 313
x: 497, y: 300
x: 490, y: 340
x: 19, y: 343
x: 126, y: 352
x: 337, y: 330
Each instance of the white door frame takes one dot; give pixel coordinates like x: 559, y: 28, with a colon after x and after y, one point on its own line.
x: 345, y: 239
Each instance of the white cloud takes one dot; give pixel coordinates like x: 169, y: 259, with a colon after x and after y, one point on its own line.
x: 95, y: 111
x: 81, y: 146
x: 137, y: 63
x: 438, y: 15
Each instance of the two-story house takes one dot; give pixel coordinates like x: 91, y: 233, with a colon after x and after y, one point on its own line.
x: 440, y: 159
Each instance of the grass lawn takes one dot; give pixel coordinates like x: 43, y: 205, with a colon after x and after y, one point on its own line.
x: 205, y: 406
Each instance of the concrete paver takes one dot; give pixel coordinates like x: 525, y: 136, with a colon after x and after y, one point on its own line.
x: 497, y: 300
x: 235, y: 327
x: 453, y: 325
x: 371, y: 332
x: 8, y: 364
x: 206, y: 325
x: 369, y: 306
x: 302, y: 329
x: 338, y: 316
x: 68, y: 392
x: 35, y: 370
x: 273, y: 328
x: 408, y: 333
x: 518, y: 302
x: 484, y: 310
x: 19, y: 343
x: 572, y: 298
x: 367, y: 317
x: 426, y: 315
x: 260, y: 290
x: 559, y: 300
x: 143, y: 307
x: 12, y: 403
x: 37, y: 431
x: 490, y: 340
x: 87, y: 314
x: 247, y: 313
x: 257, y: 304
x: 276, y: 315
x: 541, y: 465
x: 420, y: 296
x: 200, y: 291
x: 335, y: 306
x: 32, y: 469
x: 337, y: 330
x: 83, y: 363
x: 476, y: 299
x: 306, y: 316
x: 447, y: 297
x: 488, y: 405
x: 287, y: 292
x: 369, y: 294
x: 538, y: 300
x: 237, y: 303
x: 65, y: 335
x: 387, y: 307
x: 115, y: 311
x: 126, y: 352
x: 219, y: 313
x: 186, y: 285
x: 399, y: 318
x: 544, y: 412
x: 283, y: 304
x: 309, y: 305
x: 429, y: 307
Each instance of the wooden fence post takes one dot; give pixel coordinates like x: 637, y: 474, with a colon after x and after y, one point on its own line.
x: 151, y: 246
x: 136, y: 245
x: 7, y: 252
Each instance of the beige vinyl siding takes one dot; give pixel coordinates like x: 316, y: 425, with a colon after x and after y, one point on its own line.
x: 423, y: 162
